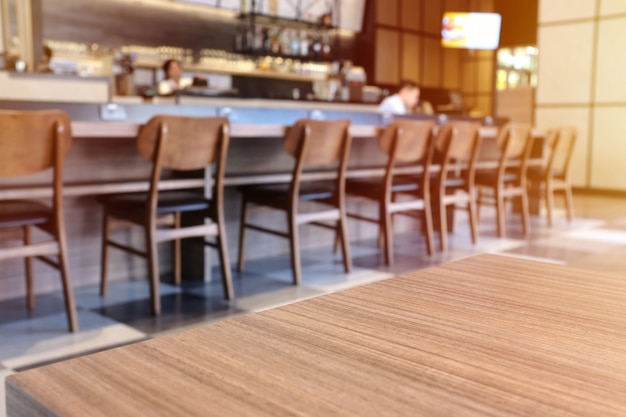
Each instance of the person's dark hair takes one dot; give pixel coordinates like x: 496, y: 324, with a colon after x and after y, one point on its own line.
x: 167, y: 64
x: 47, y: 51
x: 408, y: 84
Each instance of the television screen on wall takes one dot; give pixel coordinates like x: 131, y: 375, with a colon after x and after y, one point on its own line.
x: 470, y: 30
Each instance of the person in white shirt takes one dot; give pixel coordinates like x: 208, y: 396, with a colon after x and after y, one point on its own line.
x: 403, y: 102
x: 174, y: 79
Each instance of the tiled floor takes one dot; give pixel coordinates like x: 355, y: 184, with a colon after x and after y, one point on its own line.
x: 595, y: 240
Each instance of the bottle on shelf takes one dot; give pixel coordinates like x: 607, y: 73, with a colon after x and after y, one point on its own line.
x: 304, y: 43
x: 266, y: 45
x: 326, y: 50
x: 315, y: 49
x: 295, y: 43
x: 241, y: 38
x: 258, y: 39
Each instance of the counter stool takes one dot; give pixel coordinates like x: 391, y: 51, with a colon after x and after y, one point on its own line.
x: 555, y: 176
x: 457, y: 146
x: 508, y: 180
x: 405, y: 142
x: 181, y: 144
x: 31, y: 142
x: 313, y: 143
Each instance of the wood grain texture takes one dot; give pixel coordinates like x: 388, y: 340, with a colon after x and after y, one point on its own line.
x: 487, y: 335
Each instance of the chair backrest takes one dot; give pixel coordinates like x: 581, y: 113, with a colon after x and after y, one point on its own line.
x: 457, y: 140
x: 561, y: 142
x: 325, y: 140
x: 411, y: 137
x: 458, y: 143
x: 513, y: 140
x: 189, y: 143
x: 28, y: 140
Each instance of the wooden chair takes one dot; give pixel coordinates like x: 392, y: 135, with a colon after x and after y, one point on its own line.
x: 32, y: 142
x: 456, y: 147
x: 555, y: 175
x: 181, y: 144
x: 508, y: 180
x: 312, y: 143
x: 405, y: 142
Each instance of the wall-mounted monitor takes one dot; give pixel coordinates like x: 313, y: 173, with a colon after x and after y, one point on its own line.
x: 470, y: 30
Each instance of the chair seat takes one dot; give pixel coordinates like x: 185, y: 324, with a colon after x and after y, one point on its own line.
x: 490, y: 178
x: 169, y: 202
x: 17, y: 213
x: 373, y: 187
x: 454, y: 183
x: 277, y: 194
x: 539, y: 173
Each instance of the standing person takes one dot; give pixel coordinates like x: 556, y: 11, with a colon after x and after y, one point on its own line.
x: 404, y: 101
x: 174, y: 79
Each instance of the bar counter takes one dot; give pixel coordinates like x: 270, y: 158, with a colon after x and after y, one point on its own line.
x: 104, y: 160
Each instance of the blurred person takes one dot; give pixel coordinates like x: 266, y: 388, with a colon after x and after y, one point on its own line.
x: 404, y: 101
x: 174, y: 79
x: 46, y: 58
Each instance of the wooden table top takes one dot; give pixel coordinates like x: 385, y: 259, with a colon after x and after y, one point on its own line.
x: 485, y: 336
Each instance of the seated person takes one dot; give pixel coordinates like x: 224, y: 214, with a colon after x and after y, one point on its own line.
x: 403, y: 102
x: 174, y: 79
x: 46, y: 57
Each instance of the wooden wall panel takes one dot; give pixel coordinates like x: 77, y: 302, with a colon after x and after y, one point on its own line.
x: 456, y: 5
x: 411, y: 14
x: 469, y: 78
x: 433, y: 12
x: 431, y: 76
x: 411, y: 53
x: 485, y: 75
x: 451, y: 68
x: 387, y: 56
x: 387, y: 12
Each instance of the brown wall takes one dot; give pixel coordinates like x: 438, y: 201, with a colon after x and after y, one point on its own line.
x: 519, y: 22
x: 404, y: 37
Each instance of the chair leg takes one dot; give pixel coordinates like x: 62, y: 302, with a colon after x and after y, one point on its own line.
x: 153, y: 268
x: 428, y: 218
x: 549, y: 201
x: 106, y: 230
x: 500, y: 211
x: 478, y: 201
x: 471, y: 210
x: 294, y: 241
x: 443, y: 226
x: 342, y: 226
x: 387, y: 230
x: 242, y: 234
x: 68, y: 292
x: 177, y: 255
x: 222, y: 246
x: 525, y: 212
x: 569, y: 202
x: 28, y: 265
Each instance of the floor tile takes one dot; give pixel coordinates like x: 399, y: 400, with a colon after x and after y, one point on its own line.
x: 177, y: 310
x: 333, y: 283
x: 119, y: 292
x: 3, y: 374
x: 32, y: 341
x: 277, y: 298
x: 613, y: 261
